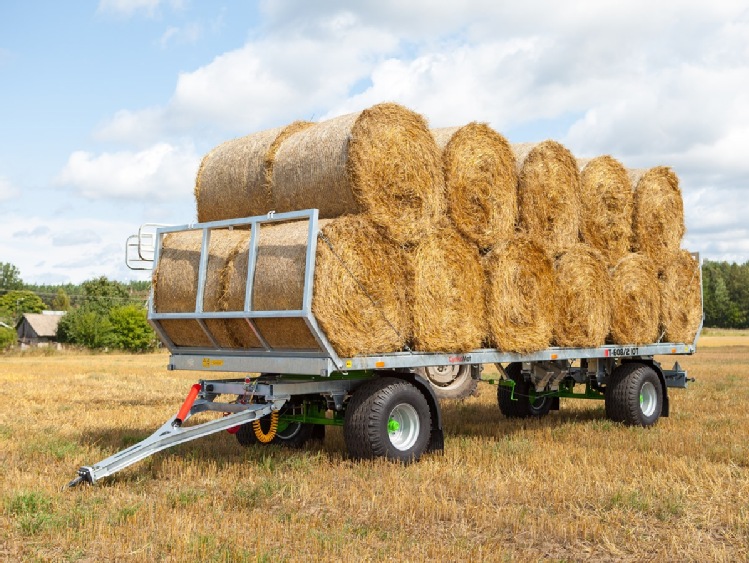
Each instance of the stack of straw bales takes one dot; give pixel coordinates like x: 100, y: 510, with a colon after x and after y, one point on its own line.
x: 438, y: 241
x: 381, y: 162
x: 359, y: 292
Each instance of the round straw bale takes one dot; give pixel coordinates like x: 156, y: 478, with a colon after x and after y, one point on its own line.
x: 447, y: 293
x: 382, y: 162
x: 232, y: 180
x: 582, y: 298
x: 636, y: 301
x: 548, y: 193
x: 358, y: 294
x: 681, y: 297
x: 658, y: 217
x: 175, y: 287
x: 480, y: 182
x: 519, y: 295
x: 278, y: 283
x: 606, y: 200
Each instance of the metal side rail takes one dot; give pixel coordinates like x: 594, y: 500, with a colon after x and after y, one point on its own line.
x: 173, y: 433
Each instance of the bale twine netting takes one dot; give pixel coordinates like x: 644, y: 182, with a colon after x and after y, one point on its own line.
x: 382, y: 161
x: 636, y: 301
x: 606, y: 201
x: 582, y: 298
x: 480, y: 182
x: 548, y: 193
x: 446, y: 293
x: 681, y: 297
x: 658, y: 216
x: 519, y: 296
x: 232, y: 180
x: 359, y: 291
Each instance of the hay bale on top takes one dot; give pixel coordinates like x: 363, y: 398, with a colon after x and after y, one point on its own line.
x: 607, y: 201
x: 480, y: 182
x: 446, y: 293
x: 681, y: 297
x: 175, y: 288
x: 361, y: 268
x: 519, y: 295
x: 233, y: 178
x: 658, y: 216
x: 636, y: 301
x: 382, y: 162
x: 548, y: 193
x: 582, y: 298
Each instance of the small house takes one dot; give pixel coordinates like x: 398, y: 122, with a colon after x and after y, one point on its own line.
x: 38, y: 329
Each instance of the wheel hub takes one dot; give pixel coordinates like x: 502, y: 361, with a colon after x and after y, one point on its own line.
x: 648, y: 399
x: 403, y: 426
x: 442, y: 375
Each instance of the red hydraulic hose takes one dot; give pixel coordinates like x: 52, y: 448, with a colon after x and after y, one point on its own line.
x: 187, y: 405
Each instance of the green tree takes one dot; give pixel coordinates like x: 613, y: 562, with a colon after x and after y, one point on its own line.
x: 103, y: 294
x: 61, y: 302
x: 131, y: 329
x: 10, y: 276
x: 86, y: 327
x: 7, y: 337
x: 14, y: 303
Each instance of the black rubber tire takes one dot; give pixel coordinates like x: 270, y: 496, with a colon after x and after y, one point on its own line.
x: 368, y: 414
x: 634, y: 395
x: 460, y: 386
x: 295, y: 435
x: 522, y: 407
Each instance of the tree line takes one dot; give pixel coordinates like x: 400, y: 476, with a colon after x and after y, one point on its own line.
x: 100, y: 313
x: 725, y: 292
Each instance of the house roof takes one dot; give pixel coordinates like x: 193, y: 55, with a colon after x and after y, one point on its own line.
x: 43, y: 325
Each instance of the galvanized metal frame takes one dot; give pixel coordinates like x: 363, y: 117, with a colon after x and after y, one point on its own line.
x: 324, y: 350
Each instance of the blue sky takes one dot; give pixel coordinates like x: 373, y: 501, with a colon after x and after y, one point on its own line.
x: 107, y: 107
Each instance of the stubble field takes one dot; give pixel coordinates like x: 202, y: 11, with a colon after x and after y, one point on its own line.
x: 570, y: 487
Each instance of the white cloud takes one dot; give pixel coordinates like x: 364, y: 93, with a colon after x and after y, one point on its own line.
x: 186, y: 34
x: 266, y: 83
x: 128, y: 8
x: 7, y: 189
x: 92, y: 248
x: 161, y: 172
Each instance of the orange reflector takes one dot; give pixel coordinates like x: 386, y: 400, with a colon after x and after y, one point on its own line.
x: 673, y: 350
x: 554, y: 356
x: 379, y: 364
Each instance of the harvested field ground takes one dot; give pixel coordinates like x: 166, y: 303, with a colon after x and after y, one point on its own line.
x: 571, y: 487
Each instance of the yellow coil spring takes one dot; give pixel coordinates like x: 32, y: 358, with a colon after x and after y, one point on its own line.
x: 265, y: 437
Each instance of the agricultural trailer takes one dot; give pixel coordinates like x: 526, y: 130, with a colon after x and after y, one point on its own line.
x: 387, y: 404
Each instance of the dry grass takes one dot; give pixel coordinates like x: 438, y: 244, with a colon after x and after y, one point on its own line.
x: 570, y: 487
